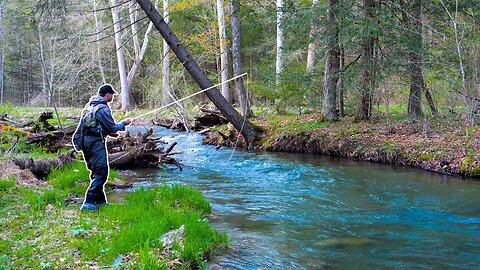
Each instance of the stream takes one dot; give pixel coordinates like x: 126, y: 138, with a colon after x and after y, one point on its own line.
x: 298, y: 211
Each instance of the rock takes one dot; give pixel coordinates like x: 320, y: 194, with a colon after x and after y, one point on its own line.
x: 173, y: 236
x: 348, y: 241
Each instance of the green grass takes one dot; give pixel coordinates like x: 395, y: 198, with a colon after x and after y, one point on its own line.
x: 6, y: 184
x: 38, y: 231
x: 19, y: 112
x: 147, y: 215
x: 74, y: 178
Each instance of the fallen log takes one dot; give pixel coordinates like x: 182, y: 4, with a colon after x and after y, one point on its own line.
x: 42, y: 124
x: 53, y: 140
x: 40, y: 168
x: 4, y: 117
x: 126, y: 151
x: 209, y: 118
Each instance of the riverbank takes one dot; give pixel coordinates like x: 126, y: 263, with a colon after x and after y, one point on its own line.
x: 436, y: 144
x: 159, y: 228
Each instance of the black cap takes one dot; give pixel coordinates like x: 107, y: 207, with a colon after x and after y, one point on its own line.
x: 105, y: 89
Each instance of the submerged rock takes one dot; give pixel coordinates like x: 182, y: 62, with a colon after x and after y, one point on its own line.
x: 348, y: 241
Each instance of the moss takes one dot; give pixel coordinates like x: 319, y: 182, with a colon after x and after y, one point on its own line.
x: 389, y: 148
x: 469, y: 167
x: 360, y: 150
x: 425, y: 156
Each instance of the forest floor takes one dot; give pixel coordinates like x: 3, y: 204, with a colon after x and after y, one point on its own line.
x: 41, y: 226
x: 440, y: 144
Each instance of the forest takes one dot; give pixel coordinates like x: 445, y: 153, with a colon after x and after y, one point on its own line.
x: 361, y: 58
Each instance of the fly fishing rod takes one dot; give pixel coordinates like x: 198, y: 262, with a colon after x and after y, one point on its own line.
x: 187, y: 97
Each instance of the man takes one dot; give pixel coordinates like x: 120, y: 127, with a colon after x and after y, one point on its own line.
x: 95, y: 125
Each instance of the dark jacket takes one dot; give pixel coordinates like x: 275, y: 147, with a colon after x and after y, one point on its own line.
x: 104, y: 116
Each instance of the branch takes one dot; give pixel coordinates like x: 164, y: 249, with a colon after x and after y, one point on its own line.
x: 351, y: 63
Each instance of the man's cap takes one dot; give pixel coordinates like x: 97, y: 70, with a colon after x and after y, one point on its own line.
x: 105, y: 89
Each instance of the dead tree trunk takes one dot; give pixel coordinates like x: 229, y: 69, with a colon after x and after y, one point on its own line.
x: 239, y: 122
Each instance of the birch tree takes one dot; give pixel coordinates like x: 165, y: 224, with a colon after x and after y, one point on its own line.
x: 97, y: 35
x: 313, y: 36
x: 237, y: 61
x: 166, y: 60
x: 2, y: 57
x: 139, y: 51
x: 223, y: 49
x: 332, y: 66
x: 280, y: 41
x: 125, y: 93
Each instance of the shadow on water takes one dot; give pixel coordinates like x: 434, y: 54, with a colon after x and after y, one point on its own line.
x: 293, y: 211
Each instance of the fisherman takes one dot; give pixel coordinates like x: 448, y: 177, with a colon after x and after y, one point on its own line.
x: 95, y: 125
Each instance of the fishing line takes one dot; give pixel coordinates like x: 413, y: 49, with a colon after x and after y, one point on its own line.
x: 244, y: 120
x: 187, y: 97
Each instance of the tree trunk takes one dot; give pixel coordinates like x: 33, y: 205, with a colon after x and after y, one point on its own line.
x: 242, y: 125
x: 223, y: 49
x: 139, y: 52
x: 45, y: 80
x: 99, y: 50
x: 313, y: 36
x: 332, y: 66
x: 166, y: 60
x: 237, y: 61
x: 417, y: 81
x: 341, y: 98
x: 132, y: 14
x: 430, y: 101
x: 366, y: 75
x: 125, y: 95
x: 2, y: 52
x: 280, y: 41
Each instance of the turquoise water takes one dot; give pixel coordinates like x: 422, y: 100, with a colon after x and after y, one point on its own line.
x: 292, y: 211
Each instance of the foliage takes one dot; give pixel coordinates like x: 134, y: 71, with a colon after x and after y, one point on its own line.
x: 76, y: 76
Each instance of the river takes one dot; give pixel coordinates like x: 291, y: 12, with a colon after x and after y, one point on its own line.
x: 297, y: 211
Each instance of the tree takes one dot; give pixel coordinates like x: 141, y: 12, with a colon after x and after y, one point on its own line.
x: 2, y: 52
x: 125, y: 93
x: 240, y: 123
x: 312, y: 45
x: 237, y: 61
x: 139, y: 51
x: 223, y: 49
x: 332, y: 66
x: 366, y: 76
x: 97, y: 35
x: 412, y: 16
x: 166, y: 60
x: 280, y: 41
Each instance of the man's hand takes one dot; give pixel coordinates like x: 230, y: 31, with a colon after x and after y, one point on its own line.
x: 128, y: 121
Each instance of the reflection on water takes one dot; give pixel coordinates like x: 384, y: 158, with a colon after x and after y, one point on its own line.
x: 285, y: 211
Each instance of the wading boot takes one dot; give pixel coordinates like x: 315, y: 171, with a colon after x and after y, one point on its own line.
x: 93, y: 207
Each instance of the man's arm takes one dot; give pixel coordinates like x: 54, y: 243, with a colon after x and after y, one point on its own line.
x: 105, y: 116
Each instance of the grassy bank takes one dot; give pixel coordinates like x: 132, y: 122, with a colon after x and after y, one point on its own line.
x: 41, y: 228
x: 441, y: 144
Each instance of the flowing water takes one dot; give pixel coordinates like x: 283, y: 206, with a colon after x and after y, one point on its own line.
x: 294, y: 211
